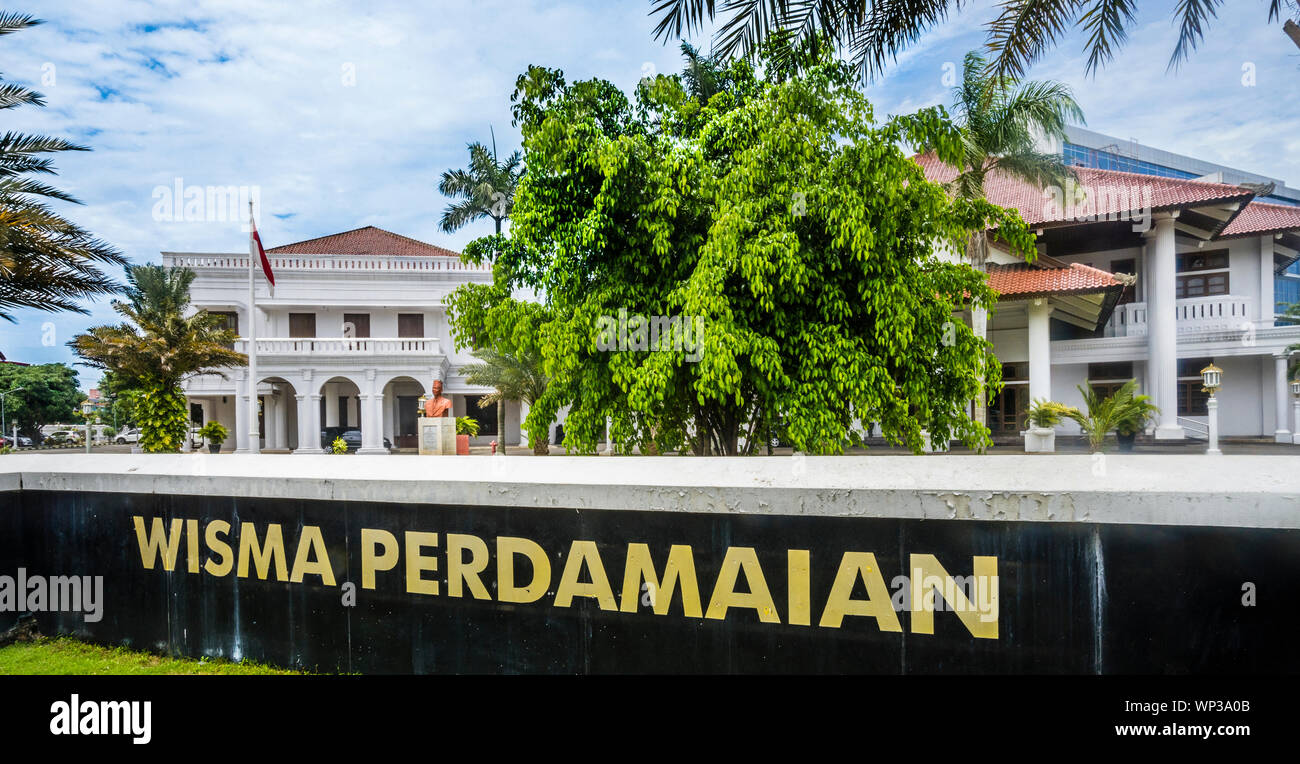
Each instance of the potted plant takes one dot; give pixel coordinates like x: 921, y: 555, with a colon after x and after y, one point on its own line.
x: 1134, y: 412
x: 1043, y: 417
x: 215, y: 434
x: 1124, y: 410
x: 466, y: 427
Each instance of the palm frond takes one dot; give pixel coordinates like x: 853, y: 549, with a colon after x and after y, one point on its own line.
x: 1192, y: 16
x: 1106, y: 22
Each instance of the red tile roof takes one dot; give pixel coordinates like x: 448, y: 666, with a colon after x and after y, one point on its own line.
x: 363, y: 241
x: 1025, y: 280
x: 1260, y: 218
x: 1109, y: 192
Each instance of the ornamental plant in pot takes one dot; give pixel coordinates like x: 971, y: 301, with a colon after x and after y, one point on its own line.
x: 215, y: 434
x: 1134, y: 412
x: 1043, y: 415
x: 466, y: 427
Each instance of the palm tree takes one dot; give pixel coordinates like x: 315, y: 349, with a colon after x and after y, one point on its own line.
x: 1000, y: 119
x: 46, y: 261
x: 703, y: 76
x: 512, y: 377
x: 486, y: 189
x: 873, y: 32
x: 158, y: 347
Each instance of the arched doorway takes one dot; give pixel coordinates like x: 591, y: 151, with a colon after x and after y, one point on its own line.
x: 278, y: 414
x: 340, y: 408
x: 401, y: 410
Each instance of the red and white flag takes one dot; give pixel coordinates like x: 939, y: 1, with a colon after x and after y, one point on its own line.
x: 255, y: 251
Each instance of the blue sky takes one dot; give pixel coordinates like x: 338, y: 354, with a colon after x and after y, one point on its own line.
x: 344, y: 114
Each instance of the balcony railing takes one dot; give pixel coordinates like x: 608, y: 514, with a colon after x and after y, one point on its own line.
x: 1194, y: 314
x: 344, y: 346
x: 326, y: 263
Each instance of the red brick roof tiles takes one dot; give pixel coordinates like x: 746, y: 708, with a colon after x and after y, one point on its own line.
x: 363, y: 241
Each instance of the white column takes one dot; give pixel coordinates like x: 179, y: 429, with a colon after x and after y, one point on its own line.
x: 1266, y: 305
x: 524, y: 440
x: 1162, y: 334
x: 304, y: 423
x: 372, y: 417
x: 1281, y: 434
x: 979, y: 324
x: 1295, y: 421
x: 185, y: 444
x: 1040, y: 350
x: 331, y: 404
x: 279, y: 416
x: 241, y: 414
x: 309, y: 424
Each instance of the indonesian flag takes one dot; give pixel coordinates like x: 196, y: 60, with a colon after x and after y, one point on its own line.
x: 255, y: 250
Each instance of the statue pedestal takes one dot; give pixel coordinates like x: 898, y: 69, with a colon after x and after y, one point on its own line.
x: 437, y: 435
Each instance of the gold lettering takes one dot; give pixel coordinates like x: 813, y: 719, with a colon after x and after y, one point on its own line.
x: 724, y: 591
x: 218, y: 547
x: 149, y: 548
x: 680, y: 568
x: 507, y: 548
x: 370, y: 539
x: 460, y: 572
x: 262, y: 554
x: 584, y: 552
x: 312, y: 543
x: 877, y: 605
x: 980, y: 619
x: 798, y: 567
x: 192, y: 545
x: 416, y: 564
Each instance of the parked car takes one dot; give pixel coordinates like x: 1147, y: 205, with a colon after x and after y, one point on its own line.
x: 128, y: 435
x: 350, y: 435
x: 63, y: 438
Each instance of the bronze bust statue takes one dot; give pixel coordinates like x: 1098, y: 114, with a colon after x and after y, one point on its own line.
x: 437, y: 405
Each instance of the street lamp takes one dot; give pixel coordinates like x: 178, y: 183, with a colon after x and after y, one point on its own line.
x: 1212, y: 376
x: 2, y: 413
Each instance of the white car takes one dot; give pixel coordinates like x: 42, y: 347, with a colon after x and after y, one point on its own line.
x: 129, y: 435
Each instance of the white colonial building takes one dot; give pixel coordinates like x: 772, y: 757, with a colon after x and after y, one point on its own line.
x: 354, y: 335
x: 1144, y: 277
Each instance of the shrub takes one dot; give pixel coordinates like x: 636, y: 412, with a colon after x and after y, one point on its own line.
x: 466, y: 425
x: 339, y: 446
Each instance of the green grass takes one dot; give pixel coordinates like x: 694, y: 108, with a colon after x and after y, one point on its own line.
x: 68, y: 656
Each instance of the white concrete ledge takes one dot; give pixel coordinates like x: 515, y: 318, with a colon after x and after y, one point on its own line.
x: 1240, y: 491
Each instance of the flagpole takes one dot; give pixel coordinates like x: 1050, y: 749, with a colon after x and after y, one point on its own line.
x: 253, y: 434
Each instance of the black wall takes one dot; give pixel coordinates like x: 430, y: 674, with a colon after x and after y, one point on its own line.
x: 1074, y: 597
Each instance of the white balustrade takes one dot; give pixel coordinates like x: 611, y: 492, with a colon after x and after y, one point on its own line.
x: 1194, y: 314
x: 344, y: 346
x: 327, y: 263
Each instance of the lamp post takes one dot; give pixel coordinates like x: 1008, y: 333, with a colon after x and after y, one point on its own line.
x: 1295, y: 406
x: 2, y: 412
x: 1212, y: 376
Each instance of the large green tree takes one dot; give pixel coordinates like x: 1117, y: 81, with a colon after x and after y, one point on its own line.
x: 874, y: 32
x: 46, y: 261
x: 49, y: 395
x: 783, y: 217
x: 161, y: 343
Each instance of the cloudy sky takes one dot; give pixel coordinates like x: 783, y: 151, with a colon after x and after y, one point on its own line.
x: 343, y: 114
